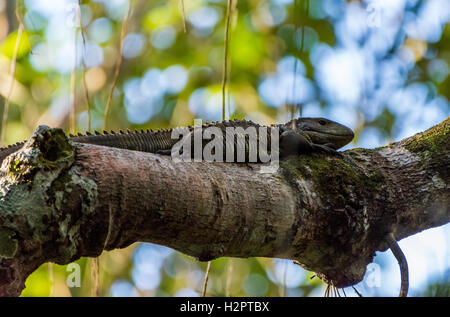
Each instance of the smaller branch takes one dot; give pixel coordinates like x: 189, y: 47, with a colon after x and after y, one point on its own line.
x: 327, y: 291
x: 183, y: 14
x: 19, y: 18
x: 94, y: 277
x: 229, y: 276
x: 232, y: 14
x: 283, y: 290
x: 116, y: 71
x: 356, y: 291
x: 83, y: 64
x: 73, y: 83
x: 205, y: 285
x: 52, y: 279
x: 225, y: 58
x: 299, y: 105
x: 12, y: 72
x: 401, y: 259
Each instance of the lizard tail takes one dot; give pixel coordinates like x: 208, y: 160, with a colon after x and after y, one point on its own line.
x: 401, y: 259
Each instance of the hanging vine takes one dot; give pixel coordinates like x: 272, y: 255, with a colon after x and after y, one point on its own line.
x: 117, y: 69
x: 303, y: 13
x: 12, y: 73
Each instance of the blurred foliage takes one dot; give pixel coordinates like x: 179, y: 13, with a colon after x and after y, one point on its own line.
x: 379, y: 67
x: 438, y: 290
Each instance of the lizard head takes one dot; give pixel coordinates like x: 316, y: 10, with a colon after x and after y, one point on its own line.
x: 323, y: 131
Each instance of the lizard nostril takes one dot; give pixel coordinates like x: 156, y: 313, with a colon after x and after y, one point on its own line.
x: 322, y: 122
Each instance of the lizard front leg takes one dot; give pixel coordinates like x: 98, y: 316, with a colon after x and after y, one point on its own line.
x: 295, y: 143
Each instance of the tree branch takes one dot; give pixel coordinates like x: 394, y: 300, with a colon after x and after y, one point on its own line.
x: 60, y: 201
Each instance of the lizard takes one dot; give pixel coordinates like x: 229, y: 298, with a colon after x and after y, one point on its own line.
x: 301, y: 135
x: 296, y: 137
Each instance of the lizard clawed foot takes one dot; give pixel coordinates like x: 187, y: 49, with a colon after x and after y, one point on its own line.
x: 401, y: 259
x: 164, y: 152
x: 325, y: 148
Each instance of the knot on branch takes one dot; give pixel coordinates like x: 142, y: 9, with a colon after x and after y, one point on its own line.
x: 37, y: 183
x: 47, y: 149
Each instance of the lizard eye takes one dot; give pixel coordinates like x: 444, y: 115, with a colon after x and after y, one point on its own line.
x: 322, y: 122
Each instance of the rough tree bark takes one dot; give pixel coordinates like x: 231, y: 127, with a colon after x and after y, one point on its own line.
x: 60, y: 201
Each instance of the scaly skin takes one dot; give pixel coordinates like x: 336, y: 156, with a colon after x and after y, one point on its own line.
x: 298, y: 136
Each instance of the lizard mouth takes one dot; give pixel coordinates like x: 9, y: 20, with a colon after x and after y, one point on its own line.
x: 338, y: 138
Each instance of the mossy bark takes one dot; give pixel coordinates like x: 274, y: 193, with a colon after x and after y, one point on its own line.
x: 60, y: 201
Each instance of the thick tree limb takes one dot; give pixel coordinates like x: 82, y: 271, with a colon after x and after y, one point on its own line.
x: 60, y: 201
